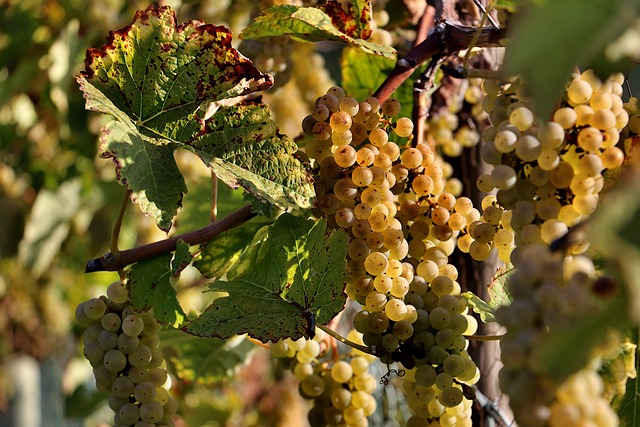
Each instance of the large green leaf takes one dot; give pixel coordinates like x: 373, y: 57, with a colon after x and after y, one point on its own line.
x: 552, y: 37
x: 153, y: 284
x: 205, y: 361
x: 219, y: 254
x: 306, y: 24
x: 297, y: 280
x: 174, y: 86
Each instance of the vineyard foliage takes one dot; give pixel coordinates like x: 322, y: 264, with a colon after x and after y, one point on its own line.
x: 377, y: 182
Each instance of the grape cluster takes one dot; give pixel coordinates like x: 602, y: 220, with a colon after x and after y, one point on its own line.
x: 548, y: 174
x: 579, y: 401
x: 122, y: 347
x: 340, y: 388
x: 390, y: 196
x: 455, y: 128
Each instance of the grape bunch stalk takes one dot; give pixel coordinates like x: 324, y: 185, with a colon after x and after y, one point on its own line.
x: 121, y: 345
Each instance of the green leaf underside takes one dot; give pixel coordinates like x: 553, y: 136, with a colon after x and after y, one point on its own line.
x: 306, y: 24
x: 206, y: 362
x: 534, y: 42
x: 478, y: 305
x: 299, y: 270
x: 153, y: 76
x: 218, y: 255
x: 149, y: 170
x: 152, y: 285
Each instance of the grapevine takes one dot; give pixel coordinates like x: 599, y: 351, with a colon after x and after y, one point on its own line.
x: 351, y: 253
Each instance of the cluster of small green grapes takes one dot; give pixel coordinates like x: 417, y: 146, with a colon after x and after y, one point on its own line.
x: 456, y: 128
x: 579, y: 401
x: 122, y: 347
x: 548, y: 174
x: 341, y: 390
x: 549, y: 291
x: 390, y: 198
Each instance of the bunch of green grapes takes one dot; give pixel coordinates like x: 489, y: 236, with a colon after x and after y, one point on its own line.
x: 453, y: 129
x: 549, y: 291
x: 122, y: 347
x: 389, y: 196
x: 579, y: 401
x: 548, y: 174
x: 341, y: 388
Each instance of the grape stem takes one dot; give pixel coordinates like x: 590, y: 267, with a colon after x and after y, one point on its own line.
x: 345, y: 341
x: 445, y: 39
x: 114, y: 262
x: 115, y: 235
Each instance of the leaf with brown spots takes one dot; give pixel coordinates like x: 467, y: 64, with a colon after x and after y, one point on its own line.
x: 158, y: 80
x: 297, y: 280
x: 355, y: 22
x: 312, y: 24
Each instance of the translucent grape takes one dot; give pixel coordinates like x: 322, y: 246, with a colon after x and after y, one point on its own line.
x: 94, y: 308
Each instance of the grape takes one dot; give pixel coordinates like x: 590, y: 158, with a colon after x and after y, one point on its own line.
x: 579, y: 92
x: 404, y: 127
x: 144, y: 392
x: 376, y: 263
x: 114, y: 360
x: 129, y: 413
x: 132, y: 325
x: 140, y: 357
x: 411, y: 158
x: 439, y: 318
x: 522, y: 118
x: 117, y: 293
x: 151, y: 412
x: 340, y: 122
x: 451, y: 397
x: 94, y: 308
x: 122, y: 387
x: 391, y: 107
x: 312, y: 385
x: 341, y: 397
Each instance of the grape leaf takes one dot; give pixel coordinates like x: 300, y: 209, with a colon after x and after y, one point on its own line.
x: 355, y: 22
x: 219, y: 254
x: 152, y: 284
x: 193, y: 359
x: 497, y: 289
x: 243, y: 147
x: 297, y: 280
x: 306, y: 24
x: 585, y: 28
x: 157, y: 78
x: 480, y: 306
